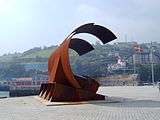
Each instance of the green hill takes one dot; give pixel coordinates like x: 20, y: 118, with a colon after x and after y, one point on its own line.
x: 94, y: 63
x: 39, y: 52
x: 36, y: 52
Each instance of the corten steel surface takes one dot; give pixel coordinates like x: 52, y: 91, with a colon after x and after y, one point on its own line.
x: 63, y: 85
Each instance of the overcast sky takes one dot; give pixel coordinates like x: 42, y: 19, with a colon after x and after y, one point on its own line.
x: 25, y: 24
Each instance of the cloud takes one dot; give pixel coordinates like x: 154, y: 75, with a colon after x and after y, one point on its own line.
x: 88, y: 9
x: 86, y: 12
x: 139, y: 19
x: 41, y: 21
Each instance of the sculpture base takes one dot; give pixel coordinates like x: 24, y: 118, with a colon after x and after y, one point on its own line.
x: 61, y: 93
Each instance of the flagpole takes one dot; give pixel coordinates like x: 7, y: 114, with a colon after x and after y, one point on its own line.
x: 152, y: 65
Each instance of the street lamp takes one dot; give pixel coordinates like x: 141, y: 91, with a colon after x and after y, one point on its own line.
x: 152, y: 64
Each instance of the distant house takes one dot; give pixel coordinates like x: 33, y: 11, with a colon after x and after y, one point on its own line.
x: 145, y: 58
x: 25, y: 83
x: 120, y: 65
x: 4, y: 86
x: 35, y: 66
x: 119, y: 80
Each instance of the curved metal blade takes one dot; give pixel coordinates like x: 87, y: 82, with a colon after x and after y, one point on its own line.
x: 80, y: 46
x: 104, y: 34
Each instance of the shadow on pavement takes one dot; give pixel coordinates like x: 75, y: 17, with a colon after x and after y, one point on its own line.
x: 132, y: 103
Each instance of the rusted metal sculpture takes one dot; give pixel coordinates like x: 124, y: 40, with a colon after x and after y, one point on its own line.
x: 63, y: 85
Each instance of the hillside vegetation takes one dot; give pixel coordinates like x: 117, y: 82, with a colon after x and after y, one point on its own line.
x: 30, y: 54
x: 94, y: 63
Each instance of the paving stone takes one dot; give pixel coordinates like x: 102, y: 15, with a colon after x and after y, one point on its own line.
x: 143, y: 103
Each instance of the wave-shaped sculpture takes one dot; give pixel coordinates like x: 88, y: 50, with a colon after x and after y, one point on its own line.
x: 63, y: 85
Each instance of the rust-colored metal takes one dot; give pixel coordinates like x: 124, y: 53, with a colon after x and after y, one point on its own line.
x: 63, y: 85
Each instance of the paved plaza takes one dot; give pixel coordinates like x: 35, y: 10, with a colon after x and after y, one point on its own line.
x: 139, y: 103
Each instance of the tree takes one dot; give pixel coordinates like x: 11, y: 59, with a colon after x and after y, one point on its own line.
x: 144, y: 73
x: 157, y: 72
